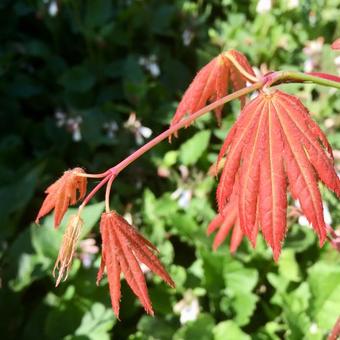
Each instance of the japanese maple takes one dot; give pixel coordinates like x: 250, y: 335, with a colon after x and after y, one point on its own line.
x: 274, y: 149
x: 67, y: 190
x: 123, y: 249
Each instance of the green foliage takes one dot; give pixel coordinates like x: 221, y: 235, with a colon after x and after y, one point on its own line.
x: 96, y: 62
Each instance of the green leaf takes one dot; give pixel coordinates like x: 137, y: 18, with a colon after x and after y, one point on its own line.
x: 229, y: 330
x: 199, y: 329
x: 184, y: 225
x: 46, y: 239
x: 155, y: 328
x: 288, y: 267
x: 193, y: 149
x: 170, y: 158
x: 30, y: 268
x: 240, y: 282
x: 324, y: 278
x: 78, y: 79
x: 295, y: 305
x: 17, y: 194
x: 213, y: 264
x: 96, y: 323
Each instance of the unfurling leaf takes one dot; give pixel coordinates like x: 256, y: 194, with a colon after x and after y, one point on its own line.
x: 123, y: 249
x: 274, y: 147
x: 66, y: 191
x: 68, y: 247
x: 211, y: 83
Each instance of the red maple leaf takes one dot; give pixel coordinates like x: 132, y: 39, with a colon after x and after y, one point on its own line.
x: 211, y: 83
x: 275, y: 144
x: 66, y: 191
x: 123, y: 249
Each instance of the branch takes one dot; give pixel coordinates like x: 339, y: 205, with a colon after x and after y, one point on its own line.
x: 111, y: 174
x: 277, y: 78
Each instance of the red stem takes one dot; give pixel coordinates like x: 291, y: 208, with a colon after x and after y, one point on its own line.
x: 94, y: 191
x: 114, y: 171
x: 185, y: 122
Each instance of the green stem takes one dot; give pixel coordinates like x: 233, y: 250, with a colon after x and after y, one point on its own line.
x: 292, y: 76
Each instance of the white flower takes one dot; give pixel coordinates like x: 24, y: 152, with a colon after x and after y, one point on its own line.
x: 326, y: 215
x: 337, y: 63
x: 88, y: 249
x: 111, y: 129
x: 313, y: 50
x: 263, y: 6
x: 150, y: 64
x: 187, y: 37
x: 135, y: 126
x: 53, y: 9
x: 72, y: 124
x: 291, y: 4
x: 188, y: 307
x: 313, y: 329
x: 183, y: 196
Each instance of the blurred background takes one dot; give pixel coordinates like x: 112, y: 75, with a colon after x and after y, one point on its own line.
x: 85, y: 83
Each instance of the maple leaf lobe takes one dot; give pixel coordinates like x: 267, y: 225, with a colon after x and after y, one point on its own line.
x: 123, y: 249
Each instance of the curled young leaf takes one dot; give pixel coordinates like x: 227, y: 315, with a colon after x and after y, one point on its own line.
x: 123, y: 249
x: 66, y: 191
x: 67, y: 248
x: 275, y: 146
x: 211, y: 83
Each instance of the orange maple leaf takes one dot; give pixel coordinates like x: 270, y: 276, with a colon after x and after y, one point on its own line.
x: 211, y: 83
x: 273, y: 144
x: 123, y: 249
x: 66, y: 191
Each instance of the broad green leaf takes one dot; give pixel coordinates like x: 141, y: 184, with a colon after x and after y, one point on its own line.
x: 324, y: 279
x: 199, y: 329
x: 30, y: 268
x: 229, y: 330
x: 193, y: 149
x: 155, y: 328
x: 78, y: 79
x: 179, y: 276
x: 240, y: 282
x: 213, y: 264
x: 96, y: 323
x: 17, y: 194
x: 295, y: 307
x: 288, y: 267
x: 170, y: 158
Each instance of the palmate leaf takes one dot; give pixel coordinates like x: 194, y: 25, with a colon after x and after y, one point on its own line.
x: 211, y: 83
x: 273, y: 147
x: 123, y: 248
x: 66, y: 191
